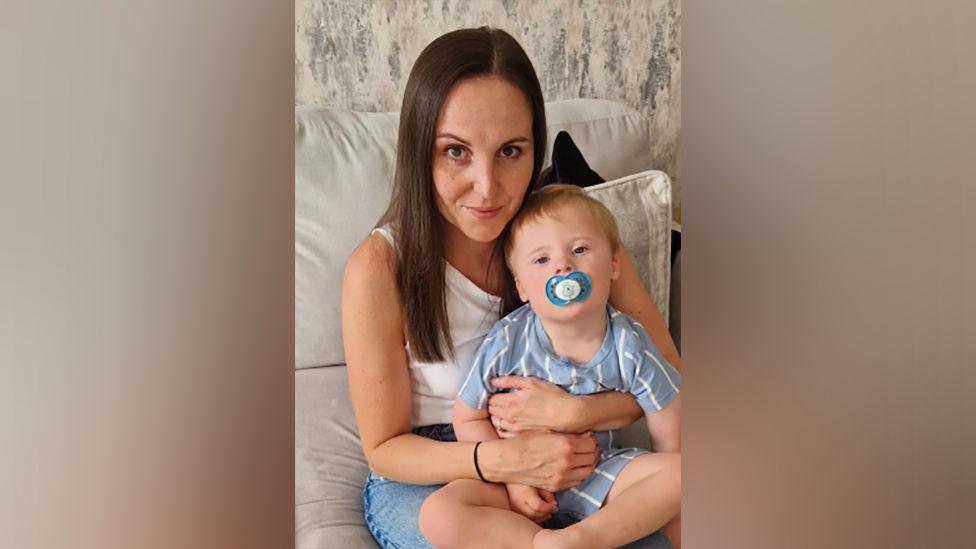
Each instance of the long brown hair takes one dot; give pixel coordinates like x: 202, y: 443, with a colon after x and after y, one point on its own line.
x: 452, y: 57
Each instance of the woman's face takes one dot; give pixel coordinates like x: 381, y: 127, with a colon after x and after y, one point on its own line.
x: 482, y: 156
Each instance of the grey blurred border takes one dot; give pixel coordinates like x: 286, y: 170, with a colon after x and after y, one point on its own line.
x: 146, y: 280
x: 828, y: 301
x: 146, y: 323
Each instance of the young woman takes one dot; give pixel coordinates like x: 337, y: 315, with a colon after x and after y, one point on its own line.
x: 424, y: 288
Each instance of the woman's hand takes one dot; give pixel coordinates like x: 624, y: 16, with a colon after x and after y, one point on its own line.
x: 533, y: 503
x: 551, y: 461
x: 541, y: 406
x: 535, y: 405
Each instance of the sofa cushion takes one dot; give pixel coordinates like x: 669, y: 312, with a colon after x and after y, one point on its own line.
x: 343, y: 170
x: 343, y: 178
x: 330, y: 467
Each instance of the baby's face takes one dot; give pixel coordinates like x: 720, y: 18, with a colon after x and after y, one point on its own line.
x: 558, y: 245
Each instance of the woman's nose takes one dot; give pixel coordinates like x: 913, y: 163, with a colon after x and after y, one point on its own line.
x: 484, y: 180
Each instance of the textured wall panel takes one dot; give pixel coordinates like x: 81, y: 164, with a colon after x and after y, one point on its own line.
x: 357, y: 55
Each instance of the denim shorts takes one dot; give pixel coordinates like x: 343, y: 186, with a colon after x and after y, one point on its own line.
x: 392, y: 508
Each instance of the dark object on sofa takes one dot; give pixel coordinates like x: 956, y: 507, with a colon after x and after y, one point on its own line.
x: 674, y: 325
x: 568, y: 165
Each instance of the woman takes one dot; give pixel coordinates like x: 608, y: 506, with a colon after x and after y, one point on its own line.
x: 420, y: 293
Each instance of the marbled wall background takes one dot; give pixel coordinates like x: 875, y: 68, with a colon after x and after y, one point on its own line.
x: 357, y: 54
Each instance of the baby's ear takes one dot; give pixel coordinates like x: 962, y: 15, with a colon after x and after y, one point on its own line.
x: 521, y: 291
x: 615, y: 265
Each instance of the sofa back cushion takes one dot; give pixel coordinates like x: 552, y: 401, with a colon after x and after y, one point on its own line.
x: 343, y: 178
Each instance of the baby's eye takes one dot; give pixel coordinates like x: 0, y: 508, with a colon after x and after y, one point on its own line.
x: 541, y: 260
x: 454, y: 152
x: 511, y: 151
x: 579, y: 249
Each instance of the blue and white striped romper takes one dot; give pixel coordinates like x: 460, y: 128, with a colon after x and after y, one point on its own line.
x: 628, y: 361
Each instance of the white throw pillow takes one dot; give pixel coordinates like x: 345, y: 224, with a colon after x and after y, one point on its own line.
x: 642, y: 206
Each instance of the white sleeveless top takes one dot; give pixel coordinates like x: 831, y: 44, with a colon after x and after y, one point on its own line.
x: 471, y: 312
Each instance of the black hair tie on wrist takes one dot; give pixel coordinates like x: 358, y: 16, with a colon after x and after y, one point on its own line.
x: 477, y: 469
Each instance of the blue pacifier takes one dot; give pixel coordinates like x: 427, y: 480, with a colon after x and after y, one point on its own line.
x: 572, y: 288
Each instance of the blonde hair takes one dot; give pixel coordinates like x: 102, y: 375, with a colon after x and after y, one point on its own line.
x: 548, y: 200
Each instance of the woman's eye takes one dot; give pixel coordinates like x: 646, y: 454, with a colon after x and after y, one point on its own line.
x: 511, y: 151
x: 454, y: 152
x: 579, y: 249
x: 541, y: 260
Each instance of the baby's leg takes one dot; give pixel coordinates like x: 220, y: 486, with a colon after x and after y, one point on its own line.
x: 645, y: 496
x: 467, y: 513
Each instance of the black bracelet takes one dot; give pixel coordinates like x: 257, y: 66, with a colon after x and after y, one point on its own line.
x: 476, y: 468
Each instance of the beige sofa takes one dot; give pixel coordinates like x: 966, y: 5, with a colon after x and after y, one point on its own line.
x: 343, y: 175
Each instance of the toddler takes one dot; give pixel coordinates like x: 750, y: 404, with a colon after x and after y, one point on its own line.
x: 562, y: 250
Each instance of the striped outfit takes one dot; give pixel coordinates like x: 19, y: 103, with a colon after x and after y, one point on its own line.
x: 628, y: 361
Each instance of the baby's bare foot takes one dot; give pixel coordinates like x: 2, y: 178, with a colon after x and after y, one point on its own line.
x: 567, y: 538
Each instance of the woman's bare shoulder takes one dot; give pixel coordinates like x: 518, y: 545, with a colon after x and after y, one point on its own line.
x: 373, y: 261
x: 369, y: 287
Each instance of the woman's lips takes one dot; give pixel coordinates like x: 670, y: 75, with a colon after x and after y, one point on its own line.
x: 485, y: 213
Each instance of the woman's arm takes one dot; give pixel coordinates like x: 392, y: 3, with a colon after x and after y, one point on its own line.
x: 379, y: 384
x: 473, y: 424
x: 538, y: 405
x: 628, y: 295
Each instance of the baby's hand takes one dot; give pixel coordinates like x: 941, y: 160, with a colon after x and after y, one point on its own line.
x: 534, y: 503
